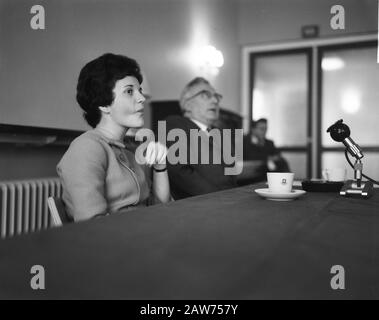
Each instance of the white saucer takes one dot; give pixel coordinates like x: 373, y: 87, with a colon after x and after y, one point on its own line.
x: 265, y: 193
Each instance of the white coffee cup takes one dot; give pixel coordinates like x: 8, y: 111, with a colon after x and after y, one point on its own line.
x: 334, y: 174
x: 280, y: 182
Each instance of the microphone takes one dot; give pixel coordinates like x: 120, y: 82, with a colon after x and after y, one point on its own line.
x: 340, y: 132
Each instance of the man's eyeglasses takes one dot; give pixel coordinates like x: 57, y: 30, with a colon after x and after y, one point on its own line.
x: 205, y: 94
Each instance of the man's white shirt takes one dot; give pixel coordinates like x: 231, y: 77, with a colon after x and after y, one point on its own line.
x: 201, y: 125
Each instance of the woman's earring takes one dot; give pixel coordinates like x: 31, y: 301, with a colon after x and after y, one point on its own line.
x: 105, y: 110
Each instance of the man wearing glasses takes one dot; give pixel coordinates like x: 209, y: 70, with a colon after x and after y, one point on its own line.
x: 199, y: 104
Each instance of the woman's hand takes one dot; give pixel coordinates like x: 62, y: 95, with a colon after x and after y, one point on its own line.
x: 156, y: 154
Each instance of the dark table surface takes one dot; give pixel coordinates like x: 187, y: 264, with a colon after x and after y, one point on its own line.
x: 226, y: 245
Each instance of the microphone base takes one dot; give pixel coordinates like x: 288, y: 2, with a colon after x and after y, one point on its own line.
x: 350, y: 189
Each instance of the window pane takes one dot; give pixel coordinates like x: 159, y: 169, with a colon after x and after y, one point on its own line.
x: 280, y: 95
x: 337, y: 159
x: 350, y: 92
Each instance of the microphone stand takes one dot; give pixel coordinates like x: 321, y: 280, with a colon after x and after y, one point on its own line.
x: 357, y: 187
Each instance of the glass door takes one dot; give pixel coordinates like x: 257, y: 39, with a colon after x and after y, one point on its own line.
x: 349, y: 91
x: 280, y: 86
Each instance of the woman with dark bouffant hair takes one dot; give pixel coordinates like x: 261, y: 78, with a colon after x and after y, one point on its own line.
x: 99, y: 174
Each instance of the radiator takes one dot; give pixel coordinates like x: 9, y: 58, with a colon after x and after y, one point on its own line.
x: 23, y: 205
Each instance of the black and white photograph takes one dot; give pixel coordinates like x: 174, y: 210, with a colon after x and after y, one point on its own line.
x: 189, y: 155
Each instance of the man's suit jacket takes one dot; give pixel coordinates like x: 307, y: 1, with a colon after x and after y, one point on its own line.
x: 188, y: 179
x: 253, y: 151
